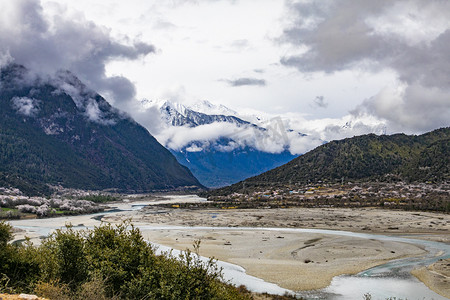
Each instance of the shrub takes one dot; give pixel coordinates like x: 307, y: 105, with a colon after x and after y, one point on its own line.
x: 53, y: 290
x: 5, y: 234
x: 65, y: 258
x: 19, y: 268
x: 107, y: 262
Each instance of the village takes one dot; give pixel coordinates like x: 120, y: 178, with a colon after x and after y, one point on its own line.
x: 399, y: 195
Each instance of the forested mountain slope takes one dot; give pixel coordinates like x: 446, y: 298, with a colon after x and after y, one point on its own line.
x: 57, y: 131
x: 364, y: 158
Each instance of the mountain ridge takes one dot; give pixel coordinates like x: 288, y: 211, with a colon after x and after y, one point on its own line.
x: 177, y: 114
x: 222, y: 158
x: 397, y: 157
x: 57, y: 131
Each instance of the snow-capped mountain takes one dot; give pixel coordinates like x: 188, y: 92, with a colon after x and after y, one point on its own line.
x: 208, y: 108
x: 222, y: 146
x: 201, y: 113
x: 219, y: 146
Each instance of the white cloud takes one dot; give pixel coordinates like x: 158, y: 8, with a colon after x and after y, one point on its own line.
x: 94, y: 113
x: 303, y: 144
x: 378, y: 66
x: 26, y: 106
x: 228, y: 147
x: 328, y: 129
x: 410, y: 108
x: 177, y: 137
x: 194, y: 148
x: 410, y: 37
x: 50, y: 39
x: 5, y: 58
x: 271, y: 133
x: 290, y: 132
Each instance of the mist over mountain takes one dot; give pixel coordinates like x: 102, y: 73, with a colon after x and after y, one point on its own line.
x: 55, y: 130
x: 217, y: 145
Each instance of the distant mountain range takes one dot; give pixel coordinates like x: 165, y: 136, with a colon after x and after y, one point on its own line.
x: 423, y: 158
x: 179, y: 115
x: 57, y: 131
x: 218, y: 158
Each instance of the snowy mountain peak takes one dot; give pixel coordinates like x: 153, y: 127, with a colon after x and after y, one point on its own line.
x: 172, y: 107
x: 165, y: 105
x: 204, y: 107
x: 201, y: 113
x: 208, y: 108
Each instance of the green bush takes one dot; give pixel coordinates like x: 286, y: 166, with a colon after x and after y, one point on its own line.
x: 68, y: 263
x: 19, y: 267
x: 5, y: 234
x: 107, y: 262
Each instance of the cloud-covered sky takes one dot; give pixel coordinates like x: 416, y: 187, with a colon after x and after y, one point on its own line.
x: 246, y: 81
x: 47, y: 37
x: 328, y: 68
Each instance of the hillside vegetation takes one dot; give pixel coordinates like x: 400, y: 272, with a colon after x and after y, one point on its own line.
x: 57, y: 131
x: 399, y: 157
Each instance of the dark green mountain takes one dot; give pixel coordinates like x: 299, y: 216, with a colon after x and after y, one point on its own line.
x: 57, y: 131
x: 364, y: 158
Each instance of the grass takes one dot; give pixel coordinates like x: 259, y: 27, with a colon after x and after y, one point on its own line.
x: 10, y: 213
x: 60, y: 212
x: 8, y: 209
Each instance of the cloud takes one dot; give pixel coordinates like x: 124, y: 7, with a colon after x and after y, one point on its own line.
x: 47, y: 40
x: 194, y: 148
x: 272, y: 136
x: 245, y: 81
x: 337, y: 35
x: 25, y: 106
x: 162, y: 24
x: 94, y: 113
x: 409, y: 108
x: 319, y: 130
x: 303, y: 144
x: 96, y: 110
x: 266, y: 132
x: 272, y: 140
x: 149, y: 117
x: 241, y: 44
x: 5, y: 59
x: 409, y: 37
x: 319, y: 101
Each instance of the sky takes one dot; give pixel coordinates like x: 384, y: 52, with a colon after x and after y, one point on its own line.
x: 330, y: 69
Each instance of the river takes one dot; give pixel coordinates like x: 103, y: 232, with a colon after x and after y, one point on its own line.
x: 392, y: 279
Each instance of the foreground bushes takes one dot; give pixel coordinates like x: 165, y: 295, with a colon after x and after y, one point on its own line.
x: 108, y: 262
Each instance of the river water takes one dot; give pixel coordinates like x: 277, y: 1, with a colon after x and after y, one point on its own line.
x: 392, y: 279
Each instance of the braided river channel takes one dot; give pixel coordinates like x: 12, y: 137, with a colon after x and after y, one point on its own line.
x: 392, y: 279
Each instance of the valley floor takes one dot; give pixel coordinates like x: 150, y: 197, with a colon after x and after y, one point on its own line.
x: 293, y: 260
x: 298, y: 261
